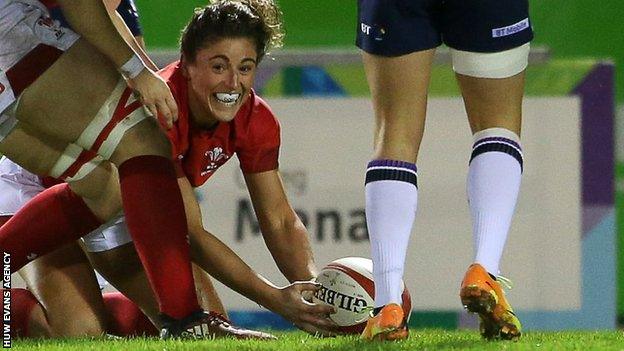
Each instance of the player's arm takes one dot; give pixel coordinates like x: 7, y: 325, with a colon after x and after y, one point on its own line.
x: 136, y: 43
x: 219, y: 261
x: 284, y: 233
x: 90, y: 19
x: 206, y: 294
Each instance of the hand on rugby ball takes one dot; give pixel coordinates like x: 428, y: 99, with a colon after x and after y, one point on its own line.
x: 308, y: 316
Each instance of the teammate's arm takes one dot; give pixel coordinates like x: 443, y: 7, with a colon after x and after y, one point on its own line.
x: 219, y: 261
x: 136, y: 43
x: 90, y: 19
x: 284, y: 233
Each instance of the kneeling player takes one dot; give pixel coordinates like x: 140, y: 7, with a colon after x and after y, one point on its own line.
x: 221, y: 116
x: 81, y: 309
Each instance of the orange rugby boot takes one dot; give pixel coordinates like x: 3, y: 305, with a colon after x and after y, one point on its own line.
x: 481, y: 293
x: 389, y: 324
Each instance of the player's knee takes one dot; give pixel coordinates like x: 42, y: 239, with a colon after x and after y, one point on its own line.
x: 500, y: 64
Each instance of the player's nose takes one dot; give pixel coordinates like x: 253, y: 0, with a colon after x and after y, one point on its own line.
x: 232, y: 80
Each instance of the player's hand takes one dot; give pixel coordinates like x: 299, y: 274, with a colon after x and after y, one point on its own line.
x: 294, y: 304
x: 155, y: 96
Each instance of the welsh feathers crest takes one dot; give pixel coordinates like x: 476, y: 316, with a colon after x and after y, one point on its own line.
x: 215, y: 157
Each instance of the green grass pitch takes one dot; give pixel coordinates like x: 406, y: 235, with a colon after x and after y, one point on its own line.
x: 424, y: 339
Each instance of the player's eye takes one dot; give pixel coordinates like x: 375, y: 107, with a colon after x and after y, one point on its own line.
x: 246, y: 69
x: 219, y: 67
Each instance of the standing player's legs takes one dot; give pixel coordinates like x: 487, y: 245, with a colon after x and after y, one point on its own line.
x: 493, y: 103
x: 398, y: 40
x: 494, y: 108
x: 399, y: 92
x: 489, y: 46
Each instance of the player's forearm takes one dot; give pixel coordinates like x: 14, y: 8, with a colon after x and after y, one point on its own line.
x: 131, y: 40
x: 219, y: 261
x: 90, y: 19
x: 290, y: 248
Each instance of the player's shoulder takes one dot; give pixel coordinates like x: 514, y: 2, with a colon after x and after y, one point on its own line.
x: 174, y: 77
x: 260, y: 112
x: 171, y: 71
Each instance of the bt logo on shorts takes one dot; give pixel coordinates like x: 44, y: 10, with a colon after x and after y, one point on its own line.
x: 511, y: 29
x: 365, y: 28
x: 374, y: 31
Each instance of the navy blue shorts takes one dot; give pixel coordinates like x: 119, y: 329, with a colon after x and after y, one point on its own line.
x: 126, y: 9
x: 399, y: 27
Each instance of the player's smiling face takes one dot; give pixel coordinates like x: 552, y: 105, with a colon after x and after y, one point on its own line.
x: 220, y: 79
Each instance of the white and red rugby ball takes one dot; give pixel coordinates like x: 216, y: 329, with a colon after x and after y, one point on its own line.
x: 347, y: 284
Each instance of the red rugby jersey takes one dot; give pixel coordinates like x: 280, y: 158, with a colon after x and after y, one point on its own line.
x: 49, y: 3
x: 253, y: 135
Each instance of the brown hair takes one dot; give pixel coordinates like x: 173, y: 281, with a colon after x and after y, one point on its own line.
x: 258, y: 20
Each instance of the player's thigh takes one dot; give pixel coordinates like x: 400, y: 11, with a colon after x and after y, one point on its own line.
x: 79, y: 309
x: 31, y: 149
x: 95, y: 181
x: 489, y: 47
x: 59, y: 85
x: 63, y: 100
x: 88, y: 103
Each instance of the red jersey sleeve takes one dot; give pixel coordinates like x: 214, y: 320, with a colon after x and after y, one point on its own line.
x: 258, y: 151
x: 178, y: 134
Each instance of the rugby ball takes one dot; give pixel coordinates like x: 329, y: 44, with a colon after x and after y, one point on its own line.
x: 347, y: 284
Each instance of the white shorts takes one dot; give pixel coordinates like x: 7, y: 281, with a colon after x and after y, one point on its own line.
x: 18, y: 186
x: 31, y: 42
x: 110, y: 235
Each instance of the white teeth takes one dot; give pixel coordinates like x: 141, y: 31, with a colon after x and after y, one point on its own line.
x: 227, y: 99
